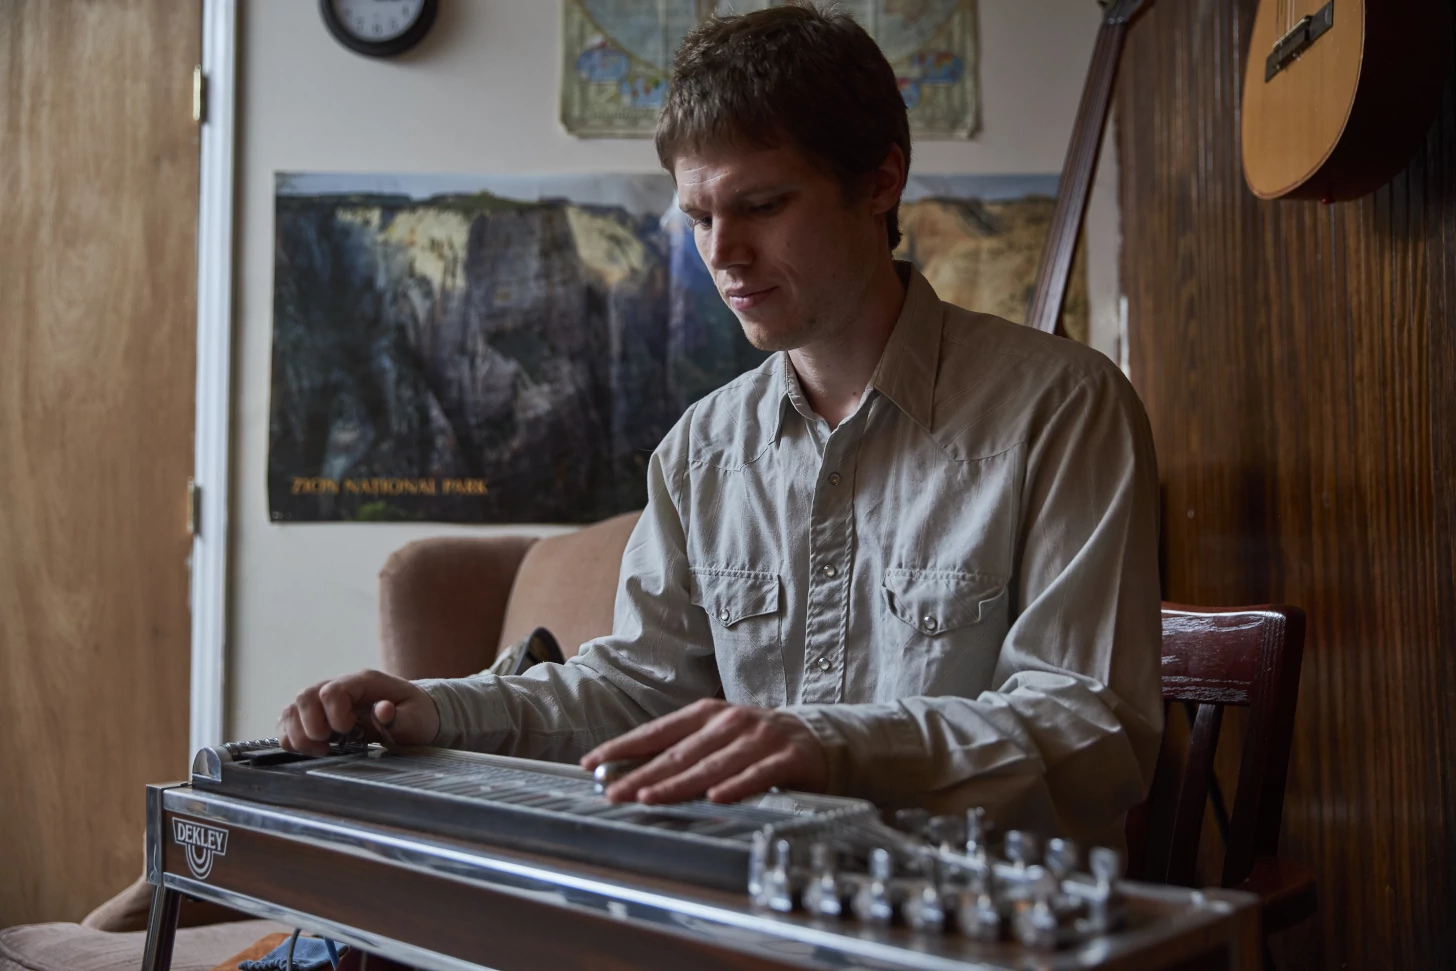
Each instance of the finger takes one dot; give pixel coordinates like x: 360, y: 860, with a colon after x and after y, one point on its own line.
x: 722, y: 730
x: 311, y: 716
x: 652, y: 738
x: 384, y: 711
x: 776, y: 770
x: 293, y: 738
x: 338, y: 705
x: 705, y: 773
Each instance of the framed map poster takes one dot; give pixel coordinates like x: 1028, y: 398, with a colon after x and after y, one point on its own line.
x: 617, y: 59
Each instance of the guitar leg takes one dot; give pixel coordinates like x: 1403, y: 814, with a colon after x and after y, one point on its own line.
x: 161, y: 929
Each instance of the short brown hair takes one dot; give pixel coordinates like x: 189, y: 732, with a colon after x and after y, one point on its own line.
x: 793, y: 73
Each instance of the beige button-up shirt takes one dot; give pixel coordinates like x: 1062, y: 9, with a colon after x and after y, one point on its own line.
x: 956, y: 589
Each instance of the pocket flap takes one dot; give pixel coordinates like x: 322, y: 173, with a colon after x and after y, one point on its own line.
x: 732, y: 595
x: 936, y: 601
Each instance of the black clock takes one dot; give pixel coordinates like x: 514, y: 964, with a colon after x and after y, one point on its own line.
x: 379, y: 28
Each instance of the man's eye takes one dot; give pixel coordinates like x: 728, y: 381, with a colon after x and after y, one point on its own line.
x: 700, y: 222
x: 767, y: 207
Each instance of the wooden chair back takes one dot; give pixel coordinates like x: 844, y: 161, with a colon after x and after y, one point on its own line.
x: 1212, y: 658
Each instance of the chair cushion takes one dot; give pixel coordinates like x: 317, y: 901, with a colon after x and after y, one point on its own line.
x: 568, y: 584
x: 74, y: 947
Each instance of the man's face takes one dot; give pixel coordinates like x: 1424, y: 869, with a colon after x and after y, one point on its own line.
x: 790, y: 254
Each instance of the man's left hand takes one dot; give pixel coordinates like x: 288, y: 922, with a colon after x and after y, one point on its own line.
x: 710, y: 747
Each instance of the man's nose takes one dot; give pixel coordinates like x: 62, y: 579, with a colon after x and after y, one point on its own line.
x: 727, y: 245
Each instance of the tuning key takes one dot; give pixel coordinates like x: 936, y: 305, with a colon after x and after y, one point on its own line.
x: 978, y: 834
x: 1061, y: 858
x: 946, y: 832
x: 1037, y: 925
x: 874, y: 903
x: 822, y: 897
x: 924, y: 907
x: 758, y: 866
x: 1020, y: 848
x: 979, y: 915
x: 778, y: 884
x: 1103, y: 913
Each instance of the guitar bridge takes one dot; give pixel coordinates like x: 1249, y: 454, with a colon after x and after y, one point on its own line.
x: 1297, y: 40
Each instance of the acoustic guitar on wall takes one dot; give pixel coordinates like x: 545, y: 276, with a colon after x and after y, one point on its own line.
x: 1339, y: 95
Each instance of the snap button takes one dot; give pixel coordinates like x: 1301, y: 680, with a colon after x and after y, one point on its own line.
x: 824, y: 664
x: 928, y: 622
x: 723, y: 614
x: 830, y: 571
x: 834, y: 478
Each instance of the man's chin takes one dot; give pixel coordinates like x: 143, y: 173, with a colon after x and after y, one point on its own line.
x: 769, y: 335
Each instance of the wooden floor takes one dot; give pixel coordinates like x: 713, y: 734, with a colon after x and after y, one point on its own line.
x: 1298, y: 362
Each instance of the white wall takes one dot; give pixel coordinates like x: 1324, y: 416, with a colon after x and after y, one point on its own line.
x: 480, y: 96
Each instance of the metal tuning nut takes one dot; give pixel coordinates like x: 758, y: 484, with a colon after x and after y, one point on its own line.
x: 822, y: 897
x: 946, y: 832
x: 874, y: 903
x: 778, y: 882
x: 924, y: 906
x: 912, y: 821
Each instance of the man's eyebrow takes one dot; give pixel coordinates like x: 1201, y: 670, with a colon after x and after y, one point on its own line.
x: 742, y: 195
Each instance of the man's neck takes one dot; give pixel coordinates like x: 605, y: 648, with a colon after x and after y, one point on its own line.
x: 834, y: 372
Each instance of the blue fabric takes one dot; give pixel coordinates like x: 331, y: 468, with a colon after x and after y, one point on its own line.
x: 310, y: 954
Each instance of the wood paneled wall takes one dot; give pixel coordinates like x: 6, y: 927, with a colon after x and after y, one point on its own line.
x: 1298, y: 362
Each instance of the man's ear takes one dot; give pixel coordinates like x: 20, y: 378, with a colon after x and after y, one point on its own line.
x: 887, y: 182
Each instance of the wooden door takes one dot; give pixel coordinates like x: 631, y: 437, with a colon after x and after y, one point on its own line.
x: 98, y: 220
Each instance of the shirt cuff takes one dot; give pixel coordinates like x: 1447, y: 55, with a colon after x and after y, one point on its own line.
x: 871, y: 751
x: 459, y: 704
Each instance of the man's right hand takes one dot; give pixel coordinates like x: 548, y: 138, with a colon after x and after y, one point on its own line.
x: 401, y: 706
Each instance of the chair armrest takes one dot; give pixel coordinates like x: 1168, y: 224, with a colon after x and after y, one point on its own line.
x: 441, y: 602
x: 1286, y: 891
x: 127, y: 912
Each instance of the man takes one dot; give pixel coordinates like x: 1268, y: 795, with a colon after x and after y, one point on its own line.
x: 910, y: 558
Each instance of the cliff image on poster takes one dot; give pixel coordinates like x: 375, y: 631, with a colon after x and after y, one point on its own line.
x: 617, y: 59
x: 511, y: 349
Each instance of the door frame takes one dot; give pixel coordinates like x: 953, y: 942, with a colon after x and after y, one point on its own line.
x: 211, y: 442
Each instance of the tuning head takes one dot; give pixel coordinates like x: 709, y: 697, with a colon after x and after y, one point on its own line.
x: 1105, y: 864
x: 1020, y: 847
x: 1061, y: 857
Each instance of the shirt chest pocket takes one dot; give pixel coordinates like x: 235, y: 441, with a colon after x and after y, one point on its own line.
x: 745, y: 617
x: 950, y: 627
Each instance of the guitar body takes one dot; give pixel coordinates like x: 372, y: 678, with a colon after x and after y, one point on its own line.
x: 1339, y: 95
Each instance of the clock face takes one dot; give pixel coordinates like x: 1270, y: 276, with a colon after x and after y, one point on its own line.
x: 377, y: 21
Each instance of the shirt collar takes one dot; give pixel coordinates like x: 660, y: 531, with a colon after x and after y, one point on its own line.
x: 907, y: 369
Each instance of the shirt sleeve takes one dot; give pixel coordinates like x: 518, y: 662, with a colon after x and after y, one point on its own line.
x: 1068, y: 739
x: 658, y: 658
